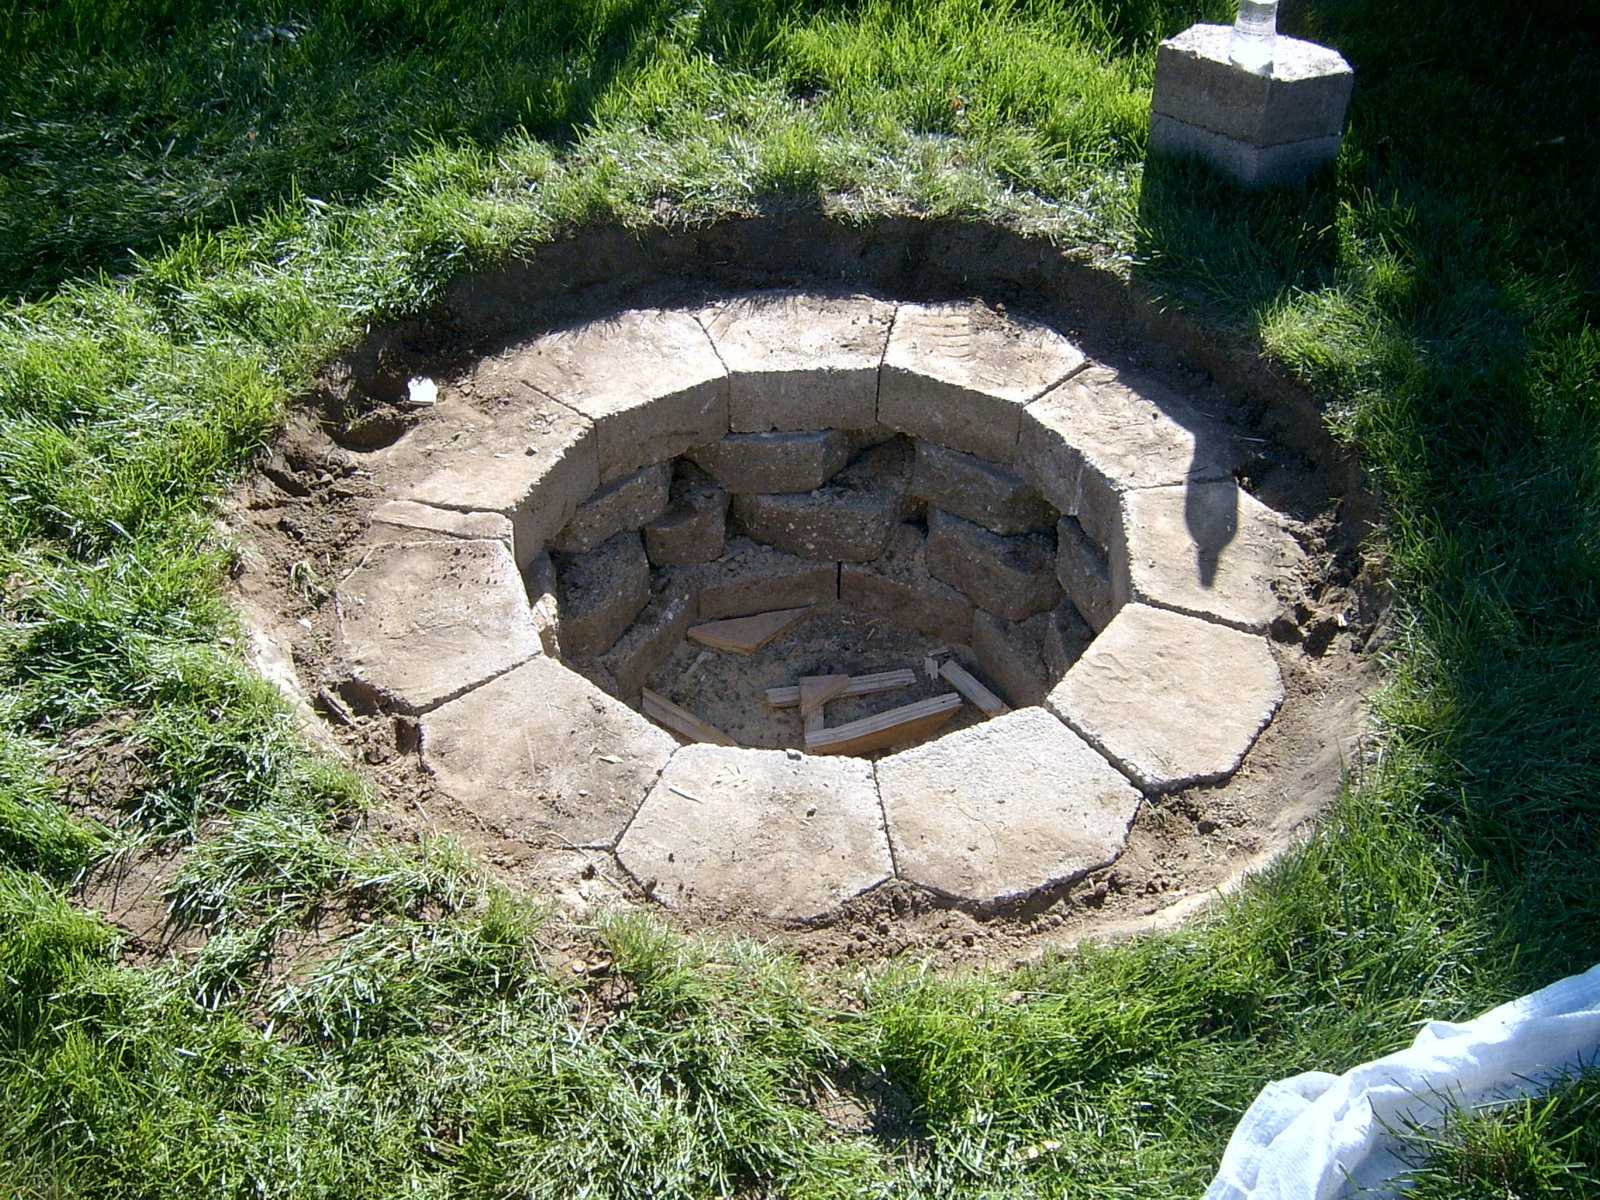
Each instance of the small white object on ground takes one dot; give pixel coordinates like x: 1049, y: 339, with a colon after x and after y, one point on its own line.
x: 1317, y: 1136
x: 422, y: 392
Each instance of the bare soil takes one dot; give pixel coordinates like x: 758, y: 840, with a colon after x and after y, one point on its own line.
x: 299, y: 518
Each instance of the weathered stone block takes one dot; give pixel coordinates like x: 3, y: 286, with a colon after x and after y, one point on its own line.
x: 627, y: 502
x: 1012, y: 654
x: 751, y: 578
x: 1011, y: 577
x: 1259, y: 128
x: 539, y: 579
x: 650, y: 640
x: 732, y: 830
x: 801, y: 362
x: 1103, y: 433
x: 832, y: 524
x: 993, y: 812
x: 978, y: 490
x: 1084, y: 572
x: 958, y: 375
x: 1208, y: 549
x: 693, y: 529
x: 897, y: 586
x: 601, y: 592
x: 529, y: 459
x: 543, y: 755
x: 423, y: 622
x: 1172, y: 700
x: 775, y: 462
x: 649, y: 380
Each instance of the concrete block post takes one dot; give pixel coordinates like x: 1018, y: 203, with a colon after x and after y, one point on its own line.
x: 1260, y: 129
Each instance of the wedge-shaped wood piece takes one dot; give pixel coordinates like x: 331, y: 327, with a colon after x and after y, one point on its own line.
x: 817, y: 690
x: 683, y: 722
x: 962, y: 680
x: 746, y: 635
x: 904, y: 724
x: 860, y: 685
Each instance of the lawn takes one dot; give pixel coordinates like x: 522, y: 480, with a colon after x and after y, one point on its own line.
x: 201, y: 202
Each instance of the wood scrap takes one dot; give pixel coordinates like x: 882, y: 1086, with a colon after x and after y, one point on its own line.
x: 962, y: 680
x: 817, y: 690
x: 860, y: 685
x: 746, y: 635
x: 683, y: 722
x: 904, y: 724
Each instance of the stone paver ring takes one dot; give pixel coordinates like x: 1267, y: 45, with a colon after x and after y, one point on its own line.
x: 1055, y: 489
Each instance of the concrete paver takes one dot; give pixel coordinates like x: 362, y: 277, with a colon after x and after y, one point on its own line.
x: 422, y: 622
x: 998, y: 810
x: 1171, y: 699
x: 734, y: 830
x: 542, y: 754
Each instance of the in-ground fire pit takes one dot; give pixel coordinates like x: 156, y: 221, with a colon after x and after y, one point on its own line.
x: 936, y: 488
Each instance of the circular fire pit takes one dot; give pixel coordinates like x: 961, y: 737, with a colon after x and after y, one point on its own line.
x: 564, y: 530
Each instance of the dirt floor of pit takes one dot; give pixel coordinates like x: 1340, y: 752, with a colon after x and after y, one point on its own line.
x: 299, y: 518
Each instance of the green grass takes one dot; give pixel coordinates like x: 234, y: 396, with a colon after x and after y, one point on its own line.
x: 200, y: 203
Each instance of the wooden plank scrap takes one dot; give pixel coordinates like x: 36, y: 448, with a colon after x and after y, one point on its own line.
x: 682, y: 722
x: 817, y: 690
x: 904, y: 724
x: 746, y: 635
x: 860, y: 685
x: 962, y: 680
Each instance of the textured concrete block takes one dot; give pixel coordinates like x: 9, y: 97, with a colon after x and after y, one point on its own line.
x: 732, y: 830
x: 1012, y: 577
x: 897, y: 586
x: 1012, y: 654
x: 543, y: 755
x: 992, y: 813
x: 958, y: 375
x: 628, y: 502
x: 1303, y: 99
x: 423, y: 622
x: 801, y: 362
x: 601, y: 592
x: 1211, y: 550
x: 693, y: 529
x: 829, y: 525
x: 775, y: 462
x: 751, y: 578
x: 1171, y: 699
x: 1251, y: 165
x: 978, y: 490
x: 539, y: 580
x: 1084, y: 572
x: 649, y: 641
x: 1066, y: 636
x: 649, y: 380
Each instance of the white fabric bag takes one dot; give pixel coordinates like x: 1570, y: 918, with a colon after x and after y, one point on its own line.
x: 1318, y: 1136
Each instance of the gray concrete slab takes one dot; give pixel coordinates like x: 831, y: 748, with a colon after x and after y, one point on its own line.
x: 999, y: 810
x: 523, y: 456
x: 799, y: 361
x: 1169, y: 698
x: 408, y: 521
x: 423, y: 622
x: 742, y: 831
x: 543, y: 755
x: 958, y: 375
x: 649, y: 380
x: 1211, y: 550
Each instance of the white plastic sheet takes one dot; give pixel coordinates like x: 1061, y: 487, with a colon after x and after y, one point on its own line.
x: 1318, y: 1136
